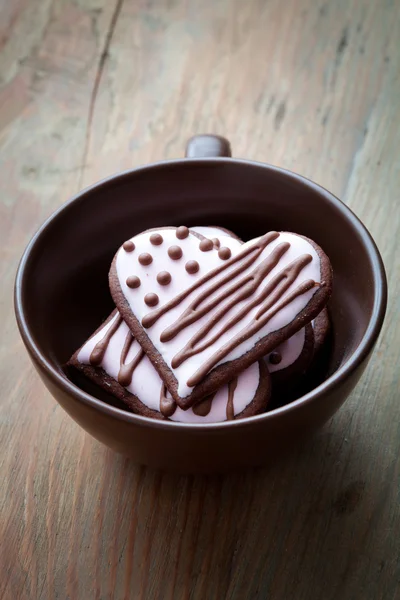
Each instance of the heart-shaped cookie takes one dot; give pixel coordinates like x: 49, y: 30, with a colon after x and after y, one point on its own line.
x: 113, y: 359
x: 204, y: 311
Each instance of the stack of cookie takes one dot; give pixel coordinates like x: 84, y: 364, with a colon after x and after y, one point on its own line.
x: 207, y: 327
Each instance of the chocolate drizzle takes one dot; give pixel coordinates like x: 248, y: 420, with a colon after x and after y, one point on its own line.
x: 240, y: 290
x: 167, y: 405
x: 251, y: 328
x: 126, y: 370
x: 283, y: 281
x: 269, y: 296
x: 202, y: 408
x: 254, y: 251
x: 230, y: 410
x: 98, y: 352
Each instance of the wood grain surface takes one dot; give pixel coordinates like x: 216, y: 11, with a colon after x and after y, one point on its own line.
x: 90, y: 87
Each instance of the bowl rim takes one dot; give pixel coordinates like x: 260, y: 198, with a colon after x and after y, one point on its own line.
x: 329, y: 385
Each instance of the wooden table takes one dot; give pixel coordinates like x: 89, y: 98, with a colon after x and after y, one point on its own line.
x: 91, y: 87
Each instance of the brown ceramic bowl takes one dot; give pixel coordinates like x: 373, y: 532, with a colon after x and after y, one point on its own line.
x: 61, y: 295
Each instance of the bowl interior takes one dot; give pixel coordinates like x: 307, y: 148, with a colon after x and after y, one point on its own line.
x: 65, y: 287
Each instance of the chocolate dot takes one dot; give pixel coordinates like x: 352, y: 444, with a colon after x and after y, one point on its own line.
x: 216, y: 242
x: 151, y: 299
x: 192, y: 266
x: 156, y: 239
x: 128, y: 246
x: 175, y: 252
x: 145, y: 258
x: 182, y: 232
x: 206, y: 245
x: 133, y: 281
x: 164, y: 278
x: 275, y: 358
x: 224, y: 253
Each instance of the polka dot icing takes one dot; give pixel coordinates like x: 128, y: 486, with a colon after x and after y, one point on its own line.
x: 151, y: 299
x: 224, y: 253
x: 182, y: 232
x: 145, y: 258
x: 156, y: 239
x: 175, y: 252
x: 192, y: 266
x: 206, y: 245
x: 275, y: 358
x: 128, y: 246
x: 164, y: 278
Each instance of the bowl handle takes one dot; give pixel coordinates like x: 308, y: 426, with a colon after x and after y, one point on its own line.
x: 207, y: 145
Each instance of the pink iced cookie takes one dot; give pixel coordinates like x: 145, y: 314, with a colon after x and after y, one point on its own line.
x: 113, y: 359
x: 203, y: 312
